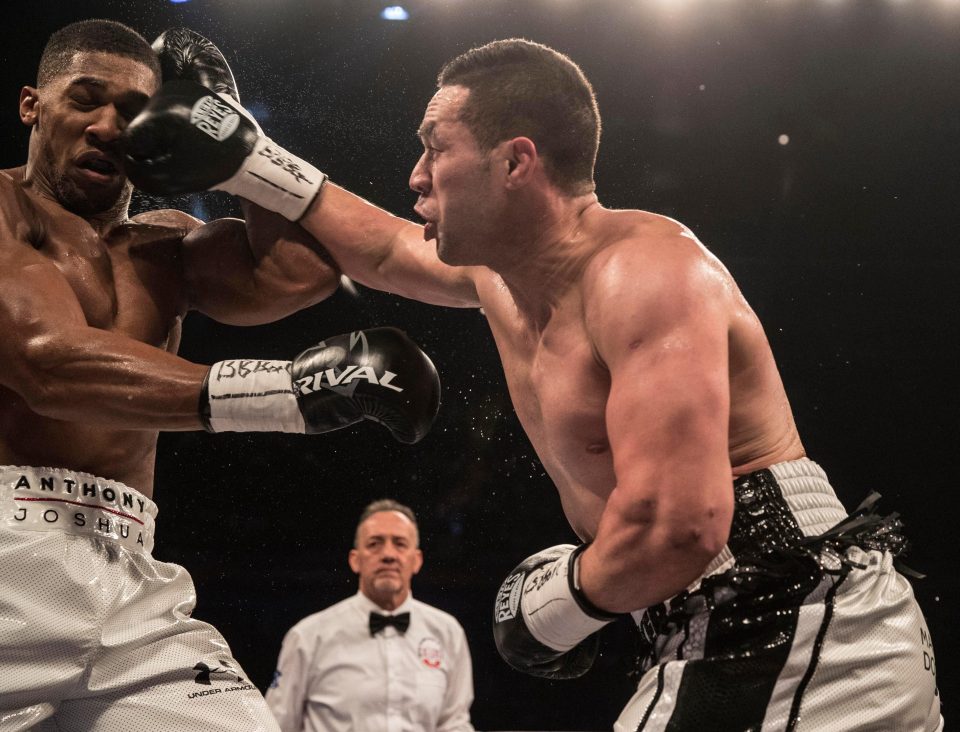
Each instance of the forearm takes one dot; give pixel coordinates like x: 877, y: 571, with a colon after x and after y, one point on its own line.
x: 640, y: 558
x: 99, y: 377
x: 384, y: 251
x: 358, y: 235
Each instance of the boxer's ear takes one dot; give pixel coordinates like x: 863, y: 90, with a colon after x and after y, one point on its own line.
x: 521, y: 157
x: 28, y: 105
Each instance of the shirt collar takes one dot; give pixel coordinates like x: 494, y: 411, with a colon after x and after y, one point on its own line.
x: 367, y: 605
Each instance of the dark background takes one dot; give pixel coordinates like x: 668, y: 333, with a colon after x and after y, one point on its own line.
x: 844, y: 240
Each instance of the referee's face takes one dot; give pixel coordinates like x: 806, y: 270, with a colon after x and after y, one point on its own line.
x: 386, y: 558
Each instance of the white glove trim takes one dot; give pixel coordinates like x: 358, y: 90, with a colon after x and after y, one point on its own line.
x: 551, y: 612
x: 276, y: 180
x: 270, y: 176
x: 251, y: 395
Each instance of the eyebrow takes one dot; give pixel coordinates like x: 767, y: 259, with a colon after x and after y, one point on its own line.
x: 89, y: 81
x: 98, y: 83
x: 426, y: 129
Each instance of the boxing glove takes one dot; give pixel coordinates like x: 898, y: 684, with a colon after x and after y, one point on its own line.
x: 377, y: 374
x: 189, y: 138
x: 185, y: 54
x: 543, y: 625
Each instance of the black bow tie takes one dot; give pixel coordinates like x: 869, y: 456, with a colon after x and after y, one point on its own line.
x: 378, y: 622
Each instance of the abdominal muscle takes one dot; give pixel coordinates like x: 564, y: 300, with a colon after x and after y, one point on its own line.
x: 28, y: 439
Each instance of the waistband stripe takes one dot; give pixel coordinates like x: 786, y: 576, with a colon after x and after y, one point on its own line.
x: 84, y: 505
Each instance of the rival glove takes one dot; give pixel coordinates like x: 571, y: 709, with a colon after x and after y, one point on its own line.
x: 377, y: 374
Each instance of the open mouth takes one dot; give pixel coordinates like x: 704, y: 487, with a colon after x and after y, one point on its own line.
x: 98, y: 166
x: 429, y: 227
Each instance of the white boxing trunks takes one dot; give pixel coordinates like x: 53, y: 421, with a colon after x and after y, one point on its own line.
x: 802, y: 624
x: 95, y: 634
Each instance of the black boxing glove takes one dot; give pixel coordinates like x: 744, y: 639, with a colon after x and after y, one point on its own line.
x: 189, y: 138
x: 543, y: 625
x: 377, y: 374
x: 185, y: 54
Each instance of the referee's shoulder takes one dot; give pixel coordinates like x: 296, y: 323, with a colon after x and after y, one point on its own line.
x: 441, y: 616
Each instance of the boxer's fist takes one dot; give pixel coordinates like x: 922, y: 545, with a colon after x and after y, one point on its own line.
x: 377, y: 374
x: 193, y: 135
x: 542, y: 624
x: 186, y: 139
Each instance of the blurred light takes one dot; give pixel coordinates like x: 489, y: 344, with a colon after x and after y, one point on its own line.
x: 394, y: 12
x: 198, y: 206
x: 258, y: 110
x: 784, y: 139
x: 347, y: 284
x: 177, y: 2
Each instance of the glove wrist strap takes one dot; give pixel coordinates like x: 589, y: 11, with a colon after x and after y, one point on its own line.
x: 573, y: 577
x: 276, y: 180
x: 553, y: 613
x: 251, y: 396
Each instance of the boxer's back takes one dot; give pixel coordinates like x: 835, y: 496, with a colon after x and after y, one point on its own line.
x: 126, y: 279
x: 560, y: 386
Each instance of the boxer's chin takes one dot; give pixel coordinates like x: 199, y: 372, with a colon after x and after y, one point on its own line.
x: 89, y: 200
x: 449, y: 253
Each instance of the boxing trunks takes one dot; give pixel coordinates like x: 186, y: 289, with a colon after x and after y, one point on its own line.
x: 801, y: 624
x: 95, y: 634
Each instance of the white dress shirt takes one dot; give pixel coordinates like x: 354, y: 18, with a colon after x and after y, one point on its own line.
x: 334, y: 676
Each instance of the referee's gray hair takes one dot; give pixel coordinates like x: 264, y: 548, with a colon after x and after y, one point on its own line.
x: 387, y: 504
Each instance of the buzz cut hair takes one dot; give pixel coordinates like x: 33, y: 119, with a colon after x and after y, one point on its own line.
x: 522, y: 88
x: 387, y: 504
x: 106, y: 36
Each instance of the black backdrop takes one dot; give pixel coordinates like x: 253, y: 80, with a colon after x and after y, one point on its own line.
x: 844, y: 240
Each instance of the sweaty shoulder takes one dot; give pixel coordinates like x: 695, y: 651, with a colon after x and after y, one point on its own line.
x: 637, y: 250
x: 169, y: 218
x: 649, y: 281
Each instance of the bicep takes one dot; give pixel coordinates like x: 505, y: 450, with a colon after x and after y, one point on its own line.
x: 667, y: 414
x: 255, y: 271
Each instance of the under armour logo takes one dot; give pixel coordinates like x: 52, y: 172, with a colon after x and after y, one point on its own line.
x: 206, y: 671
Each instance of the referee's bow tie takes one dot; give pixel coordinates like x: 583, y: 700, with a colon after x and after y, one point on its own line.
x: 378, y: 622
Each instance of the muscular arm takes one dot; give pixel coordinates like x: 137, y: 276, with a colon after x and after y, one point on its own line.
x: 255, y: 271
x: 655, y: 312
x: 63, y: 369
x: 385, y: 252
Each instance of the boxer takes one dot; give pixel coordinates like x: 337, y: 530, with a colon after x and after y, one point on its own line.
x: 647, y: 386
x: 94, y: 633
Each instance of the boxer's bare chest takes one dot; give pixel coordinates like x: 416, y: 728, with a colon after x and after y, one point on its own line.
x: 559, y: 389
x: 127, y: 279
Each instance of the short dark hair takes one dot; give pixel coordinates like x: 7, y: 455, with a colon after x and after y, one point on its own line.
x: 387, y: 504
x: 107, y: 36
x: 518, y: 87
